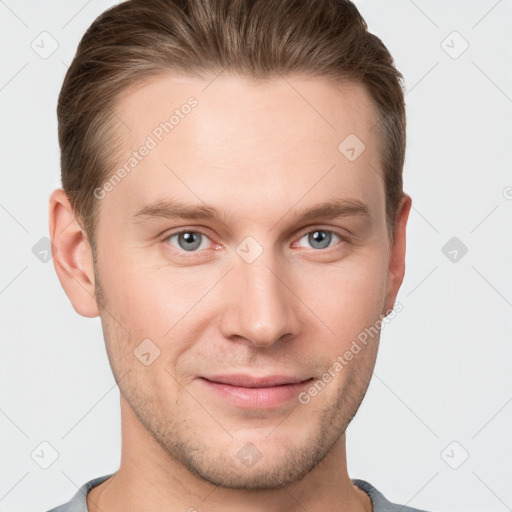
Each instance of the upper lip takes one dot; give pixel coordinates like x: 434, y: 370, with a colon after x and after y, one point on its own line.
x: 249, y: 381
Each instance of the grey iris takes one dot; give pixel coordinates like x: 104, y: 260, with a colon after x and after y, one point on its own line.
x: 321, y: 238
x: 188, y: 238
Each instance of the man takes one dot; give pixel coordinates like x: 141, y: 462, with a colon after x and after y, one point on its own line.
x: 232, y: 208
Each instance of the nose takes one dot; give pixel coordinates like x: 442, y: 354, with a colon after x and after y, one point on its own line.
x: 262, y: 307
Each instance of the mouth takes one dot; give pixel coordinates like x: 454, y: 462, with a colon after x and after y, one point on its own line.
x: 255, y: 392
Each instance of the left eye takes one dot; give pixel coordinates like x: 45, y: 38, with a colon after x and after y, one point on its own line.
x: 320, y: 238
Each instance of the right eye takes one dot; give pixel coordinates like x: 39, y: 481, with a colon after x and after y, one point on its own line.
x: 187, y: 240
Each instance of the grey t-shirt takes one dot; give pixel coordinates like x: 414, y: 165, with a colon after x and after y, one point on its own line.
x: 379, y: 502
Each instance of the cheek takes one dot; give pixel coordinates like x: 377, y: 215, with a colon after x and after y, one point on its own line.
x: 348, y: 296
x: 150, y: 300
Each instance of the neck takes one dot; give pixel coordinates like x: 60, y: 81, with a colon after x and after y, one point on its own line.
x: 150, y: 479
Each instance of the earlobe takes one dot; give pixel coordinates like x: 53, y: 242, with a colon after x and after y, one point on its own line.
x: 73, y: 258
x: 396, y: 268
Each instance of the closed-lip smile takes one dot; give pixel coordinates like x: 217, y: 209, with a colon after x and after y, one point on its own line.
x: 252, y: 392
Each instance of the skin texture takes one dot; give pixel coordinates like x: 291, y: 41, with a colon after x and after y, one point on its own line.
x: 260, y: 154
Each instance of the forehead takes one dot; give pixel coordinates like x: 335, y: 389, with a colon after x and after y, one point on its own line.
x: 231, y: 103
x: 228, y: 140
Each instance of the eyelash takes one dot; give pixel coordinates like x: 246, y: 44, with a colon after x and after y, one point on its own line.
x: 197, y: 252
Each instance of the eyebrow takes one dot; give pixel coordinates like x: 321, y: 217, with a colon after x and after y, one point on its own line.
x: 175, y: 209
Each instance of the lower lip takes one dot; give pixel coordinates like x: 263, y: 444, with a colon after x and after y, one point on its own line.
x: 257, y: 398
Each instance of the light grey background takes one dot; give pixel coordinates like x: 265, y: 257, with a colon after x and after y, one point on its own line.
x: 444, y: 369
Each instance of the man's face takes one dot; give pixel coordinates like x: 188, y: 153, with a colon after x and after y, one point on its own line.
x: 255, y: 291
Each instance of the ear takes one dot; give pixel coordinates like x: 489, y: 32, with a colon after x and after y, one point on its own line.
x: 396, y: 268
x: 73, y: 258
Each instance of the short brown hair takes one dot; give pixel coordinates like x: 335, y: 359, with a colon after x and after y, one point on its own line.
x: 138, y: 39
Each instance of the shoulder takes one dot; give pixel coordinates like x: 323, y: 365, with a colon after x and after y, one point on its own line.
x: 379, y: 502
x: 78, y: 502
